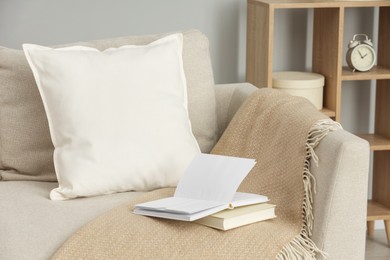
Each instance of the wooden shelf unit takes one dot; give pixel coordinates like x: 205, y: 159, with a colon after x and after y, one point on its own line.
x: 328, y: 29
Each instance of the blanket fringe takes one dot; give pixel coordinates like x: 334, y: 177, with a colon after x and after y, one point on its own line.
x: 302, y: 247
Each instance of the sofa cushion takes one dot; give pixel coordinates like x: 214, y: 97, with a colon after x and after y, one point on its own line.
x: 118, y: 118
x: 26, y: 150
x: 33, y: 227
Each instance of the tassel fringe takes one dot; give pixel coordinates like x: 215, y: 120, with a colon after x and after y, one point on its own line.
x: 302, y: 247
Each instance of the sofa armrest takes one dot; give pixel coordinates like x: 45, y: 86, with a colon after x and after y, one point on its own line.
x: 229, y: 98
x: 340, y: 204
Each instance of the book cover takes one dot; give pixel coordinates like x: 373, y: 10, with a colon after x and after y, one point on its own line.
x: 237, y: 217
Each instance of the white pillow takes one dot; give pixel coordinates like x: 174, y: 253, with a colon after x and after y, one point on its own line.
x: 118, y: 118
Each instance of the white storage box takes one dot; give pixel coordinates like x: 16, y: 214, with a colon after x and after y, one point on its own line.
x: 303, y: 84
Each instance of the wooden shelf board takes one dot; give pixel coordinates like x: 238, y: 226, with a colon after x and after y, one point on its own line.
x: 328, y: 112
x: 376, y: 211
x: 376, y: 72
x: 377, y: 142
x: 321, y: 3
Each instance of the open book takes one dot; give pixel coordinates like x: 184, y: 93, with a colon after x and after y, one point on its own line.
x: 208, y: 186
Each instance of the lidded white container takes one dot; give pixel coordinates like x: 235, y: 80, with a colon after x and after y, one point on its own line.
x: 304, y: 84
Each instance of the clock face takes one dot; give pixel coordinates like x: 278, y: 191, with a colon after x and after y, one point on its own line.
x: 363, y: 57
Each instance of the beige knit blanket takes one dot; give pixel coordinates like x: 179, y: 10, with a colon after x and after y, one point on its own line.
x: 280, y: 132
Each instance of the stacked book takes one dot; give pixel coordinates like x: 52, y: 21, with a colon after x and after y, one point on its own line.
x: 232, y: 218
x: 207, y: 194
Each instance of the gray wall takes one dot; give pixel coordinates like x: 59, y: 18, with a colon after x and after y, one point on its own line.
x: 60, y: 21
x: 223, y: 21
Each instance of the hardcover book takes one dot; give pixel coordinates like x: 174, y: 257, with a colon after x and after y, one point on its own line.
x: 232, y: 218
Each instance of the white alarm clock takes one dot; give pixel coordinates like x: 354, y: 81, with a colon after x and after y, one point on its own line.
x: 361, y: 55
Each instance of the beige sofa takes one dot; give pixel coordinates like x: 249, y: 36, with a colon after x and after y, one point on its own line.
x: 32, y: 226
